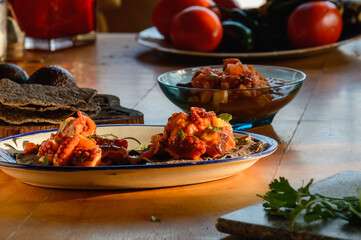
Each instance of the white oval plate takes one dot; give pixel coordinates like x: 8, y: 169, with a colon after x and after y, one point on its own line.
x: 151, y: 38
x: 122, y: 176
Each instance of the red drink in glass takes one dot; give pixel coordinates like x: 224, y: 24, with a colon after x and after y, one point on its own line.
x: 55, y: 20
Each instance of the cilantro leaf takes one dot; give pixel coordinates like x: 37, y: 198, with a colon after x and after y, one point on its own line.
x: 284, y: 201
x: 155, y: 219
x: 181, y: 134
x: 46, y: 160
x: 217, y: 129
x: 225, y: 117
x: 281, y: 194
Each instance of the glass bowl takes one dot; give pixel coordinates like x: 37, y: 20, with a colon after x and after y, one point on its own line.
x: 248, y: 107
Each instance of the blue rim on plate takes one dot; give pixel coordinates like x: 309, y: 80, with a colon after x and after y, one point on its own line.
x: 7, y: 160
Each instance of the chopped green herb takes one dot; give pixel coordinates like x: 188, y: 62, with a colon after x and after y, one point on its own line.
x: 235, y: 140
x: 181, y: 134
x: 104, y: 136
x: 65, y: 123
x: 284, y: 201
x: 72, y: 131
x: 46, y: 160
x: 93, y: 136
x: 217, y: 129
x: 242, y: 141
x: 155, y: 219
x: 225, y: 117
x: 143, y: 147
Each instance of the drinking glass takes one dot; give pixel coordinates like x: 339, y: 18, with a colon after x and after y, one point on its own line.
x: 56, y: 24
x: 3, y: 35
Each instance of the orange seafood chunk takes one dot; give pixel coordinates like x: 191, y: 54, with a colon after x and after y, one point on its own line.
x: 193, y: 135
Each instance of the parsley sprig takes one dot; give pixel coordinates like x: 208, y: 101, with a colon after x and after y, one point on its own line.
x: 284, y: 201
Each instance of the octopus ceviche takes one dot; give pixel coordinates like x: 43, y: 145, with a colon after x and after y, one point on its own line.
x: 196, y: 136
x: 235, y: 88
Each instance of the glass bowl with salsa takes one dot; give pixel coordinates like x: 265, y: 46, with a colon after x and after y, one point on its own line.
x: 252, y: 94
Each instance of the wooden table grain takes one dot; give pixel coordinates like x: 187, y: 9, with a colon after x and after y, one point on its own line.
x: 319, y: 134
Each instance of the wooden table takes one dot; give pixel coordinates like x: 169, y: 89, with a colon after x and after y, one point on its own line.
x: 319, y: 134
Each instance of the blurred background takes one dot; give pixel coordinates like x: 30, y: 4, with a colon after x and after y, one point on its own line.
x: 136, y: 15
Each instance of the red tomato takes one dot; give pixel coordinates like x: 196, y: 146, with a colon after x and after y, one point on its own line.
x: 196, y: 28
x: 313, y: 24
x: 165, y: 10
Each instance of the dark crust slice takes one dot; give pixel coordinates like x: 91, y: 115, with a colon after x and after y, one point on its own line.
x: 16, y: 116
x: 43, y: 95
x: 92, y: 106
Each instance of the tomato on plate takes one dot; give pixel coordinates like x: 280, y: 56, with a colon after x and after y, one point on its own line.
x: 196, y: 28
x: 165, y: 10
x: 314, y: 24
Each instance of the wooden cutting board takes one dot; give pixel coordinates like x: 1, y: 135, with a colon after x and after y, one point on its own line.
x: 253, y: 222
x: 111, y: 113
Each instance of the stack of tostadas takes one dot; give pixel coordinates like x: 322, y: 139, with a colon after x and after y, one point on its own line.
x: 40, y: 101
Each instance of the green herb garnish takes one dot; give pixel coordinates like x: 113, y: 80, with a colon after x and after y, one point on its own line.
x: 242, y: 141
x: 181, y: 134
x: 104, y: 136
x: 155, y: 219
x: 65, y: 123
x: 225, y: 117
x: 215, y: 129
x: 72, y: 131
x: 284, y: 201
x: 46, y: 160
x: 93, y: 136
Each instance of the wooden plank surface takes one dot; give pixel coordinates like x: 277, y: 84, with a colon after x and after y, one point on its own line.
x: 318, y: 135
